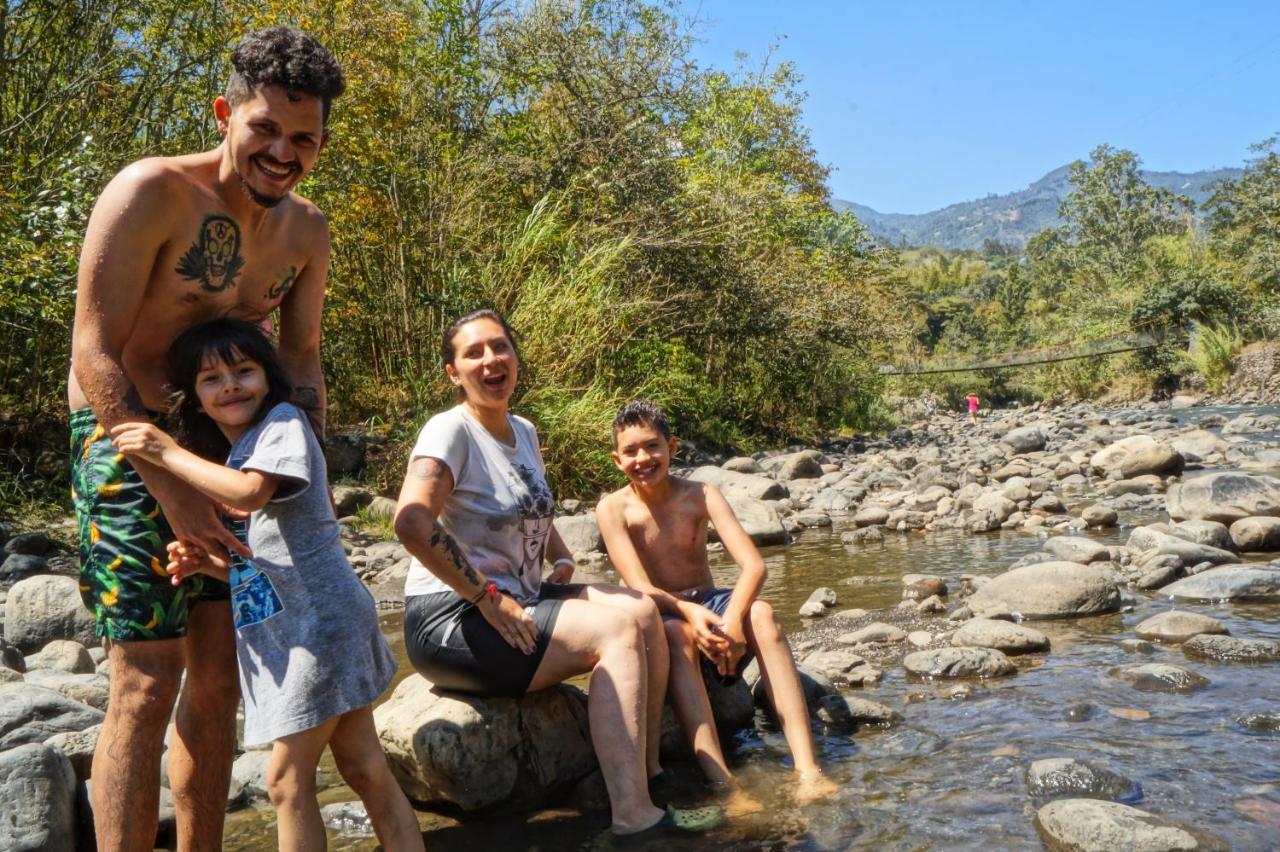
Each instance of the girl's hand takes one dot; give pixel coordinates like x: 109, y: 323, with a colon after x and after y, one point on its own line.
x: 143, y: 440
x: 187, y: 558
x: 511, y: 621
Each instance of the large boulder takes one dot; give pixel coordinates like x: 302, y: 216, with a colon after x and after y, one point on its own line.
x: 1058, y: 776
x: 1049, y: 590
x: 1224, y: 497
x: 1254, y: 535
x: 1229, y: 582
x: 38, y: 788
x: 1137, y: 455
x: 1076, y: 548
x: 1198, y: 444
x: 792, y: 466
x: 1027, y: 439
x: 43, y: 608
x: 1177, y: 625
x: 1092, y: 825
x: 758, y: 519
x: 1004, y: 636
x: 63, y: 655
x: 31, y: 714
x: 1200, y: 531
x: 1147, y: 540
x: 1231, y: 649
x: 470, y: 753
x: 1161, y: 677
x: 744, y: 484
x: 957, y: 663
x: 581, y: 533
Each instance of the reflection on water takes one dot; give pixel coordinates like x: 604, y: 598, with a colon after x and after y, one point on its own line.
x: 951, y: 776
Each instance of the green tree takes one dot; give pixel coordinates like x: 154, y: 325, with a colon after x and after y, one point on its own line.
x: 1244, y: 220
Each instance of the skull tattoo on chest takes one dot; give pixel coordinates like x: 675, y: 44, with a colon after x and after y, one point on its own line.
x: 214, y: 259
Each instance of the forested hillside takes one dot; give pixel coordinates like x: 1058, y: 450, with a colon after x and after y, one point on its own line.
x: 1013, y: 218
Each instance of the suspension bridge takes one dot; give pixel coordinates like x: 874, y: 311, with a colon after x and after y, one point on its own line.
x: 1113, y: 345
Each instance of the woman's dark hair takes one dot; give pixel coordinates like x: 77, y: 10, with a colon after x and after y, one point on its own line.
x: 226, y: 340
x: 446, y: 341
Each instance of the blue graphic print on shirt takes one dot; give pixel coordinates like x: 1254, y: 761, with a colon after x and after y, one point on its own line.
x: 253, y: 598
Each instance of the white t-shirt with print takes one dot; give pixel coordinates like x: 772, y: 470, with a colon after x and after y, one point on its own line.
x: 501, y: 509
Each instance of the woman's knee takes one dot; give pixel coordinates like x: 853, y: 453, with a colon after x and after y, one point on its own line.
x: 679, y: 635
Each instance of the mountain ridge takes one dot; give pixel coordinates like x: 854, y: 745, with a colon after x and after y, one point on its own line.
x: 1011, y: 218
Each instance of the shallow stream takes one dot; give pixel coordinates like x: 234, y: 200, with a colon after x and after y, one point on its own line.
x: 951, y: 775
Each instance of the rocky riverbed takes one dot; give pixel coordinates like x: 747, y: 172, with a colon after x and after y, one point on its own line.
x: 1060, y: 627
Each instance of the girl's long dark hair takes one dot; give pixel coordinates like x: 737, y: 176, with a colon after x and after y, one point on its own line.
x: 228, y: 340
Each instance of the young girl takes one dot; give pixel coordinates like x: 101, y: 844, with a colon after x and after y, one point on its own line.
x: 311, y: 656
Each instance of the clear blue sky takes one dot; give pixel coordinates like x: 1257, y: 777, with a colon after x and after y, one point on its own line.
x: 921, y: 103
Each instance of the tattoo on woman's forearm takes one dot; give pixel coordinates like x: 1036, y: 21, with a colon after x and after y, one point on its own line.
x: 443, y: 541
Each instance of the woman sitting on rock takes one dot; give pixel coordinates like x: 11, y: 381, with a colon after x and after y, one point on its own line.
x: 475, y: 513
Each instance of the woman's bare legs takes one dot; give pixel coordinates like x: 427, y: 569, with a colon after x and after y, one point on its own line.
x: 596, y: 638
x: 645, y: 612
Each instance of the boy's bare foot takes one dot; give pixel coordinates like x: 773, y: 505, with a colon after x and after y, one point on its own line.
x: 738, y: 802
x: 813, y: 786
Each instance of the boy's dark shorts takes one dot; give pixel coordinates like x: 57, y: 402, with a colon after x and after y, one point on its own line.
x: 451, y: 644
x: 122, y: 538
x: 717, y: 600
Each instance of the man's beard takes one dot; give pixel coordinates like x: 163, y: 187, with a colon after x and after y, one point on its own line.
x: 256, y: 197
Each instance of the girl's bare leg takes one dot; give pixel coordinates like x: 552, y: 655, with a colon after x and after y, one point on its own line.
x: 363, y: 766
x: 291, y: 784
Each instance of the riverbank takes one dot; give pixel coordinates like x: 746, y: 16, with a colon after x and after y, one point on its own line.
x: 1056, y: 494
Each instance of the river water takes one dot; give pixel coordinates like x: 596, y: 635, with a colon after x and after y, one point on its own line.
x: 951, y: 775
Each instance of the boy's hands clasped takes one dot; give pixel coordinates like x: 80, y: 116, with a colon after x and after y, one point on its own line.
x: 721, y: 642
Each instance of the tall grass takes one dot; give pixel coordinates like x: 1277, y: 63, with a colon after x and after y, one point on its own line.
x: 1213, y: 352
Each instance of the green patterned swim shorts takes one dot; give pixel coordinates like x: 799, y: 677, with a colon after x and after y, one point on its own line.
x: 122, y: 544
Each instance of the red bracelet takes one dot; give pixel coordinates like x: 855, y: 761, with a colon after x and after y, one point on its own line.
x: 490, y: 589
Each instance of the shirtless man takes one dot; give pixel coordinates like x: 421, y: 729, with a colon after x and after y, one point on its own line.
x: 655, y: 529
x: 174, y: 241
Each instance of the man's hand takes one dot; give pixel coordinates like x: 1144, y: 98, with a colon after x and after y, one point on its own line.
x: 142, y: 440
x: 186, y: 559
x: 561, y: 572
x: 192, y: 516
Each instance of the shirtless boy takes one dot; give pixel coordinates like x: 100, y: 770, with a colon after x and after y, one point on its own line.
x: 655, y: 529
x: 175, y: 241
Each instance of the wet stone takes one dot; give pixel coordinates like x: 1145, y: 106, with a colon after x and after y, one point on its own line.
x: 1080, y: 712
x: 1137, y: 646
x: 1232, y: 649
x: 1260, y: 723
x: 1066, y: 776
x: 1161, y: 677
x: 1178, y: 626
x: 1091, y: 825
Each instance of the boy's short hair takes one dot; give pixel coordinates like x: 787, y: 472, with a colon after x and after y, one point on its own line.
x: 640, y: 412
x: 288, y: 58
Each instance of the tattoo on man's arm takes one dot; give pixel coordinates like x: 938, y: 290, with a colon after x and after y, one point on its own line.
x: 443, y: 541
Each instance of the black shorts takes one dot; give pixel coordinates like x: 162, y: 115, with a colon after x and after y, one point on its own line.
x: 451, y: 644
x: 717, y: 600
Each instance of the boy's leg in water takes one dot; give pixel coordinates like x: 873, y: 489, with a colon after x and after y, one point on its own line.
x: 782, y: 686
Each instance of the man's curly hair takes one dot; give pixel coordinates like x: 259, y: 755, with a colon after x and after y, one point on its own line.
x: 288, y: 58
